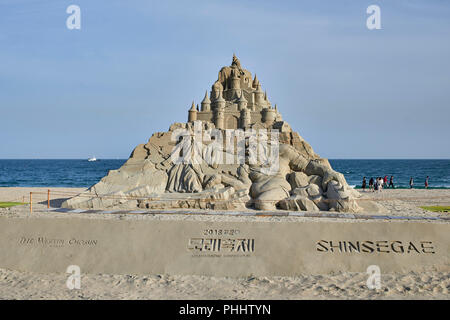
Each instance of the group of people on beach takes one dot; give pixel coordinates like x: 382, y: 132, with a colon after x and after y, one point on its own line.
x: 378, y: 183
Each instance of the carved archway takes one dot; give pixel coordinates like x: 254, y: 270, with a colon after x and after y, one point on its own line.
x: 231, y: 122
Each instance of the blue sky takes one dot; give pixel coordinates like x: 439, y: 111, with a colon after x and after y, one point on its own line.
x: 135, y: 67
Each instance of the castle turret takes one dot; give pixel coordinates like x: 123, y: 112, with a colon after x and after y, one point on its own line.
x: 277, y: 114
x: 242, y: 102
x: 219, y: 112
x: 269, y: 115
x: 245, y: 115
x: 192, y: 113
x: 259, y: 95
x: 235, y: 82
x: 255, y: 83
x: 206, y: 103
x: 245, y: 118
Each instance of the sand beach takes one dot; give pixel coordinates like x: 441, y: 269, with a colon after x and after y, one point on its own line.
x: 432, y: 284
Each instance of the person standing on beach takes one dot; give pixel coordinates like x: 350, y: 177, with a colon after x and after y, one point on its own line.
x: 380, y: 184
x: 391, y: 182
x: 364, y: 184
x: 371, y: 184
x: 411, y: 183
x: 385, y: 181
x: 426, y: 182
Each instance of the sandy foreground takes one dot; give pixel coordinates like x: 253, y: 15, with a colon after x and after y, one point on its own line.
x: 27, y: 285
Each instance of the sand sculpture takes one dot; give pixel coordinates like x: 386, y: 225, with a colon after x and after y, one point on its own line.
x: 288, y: 175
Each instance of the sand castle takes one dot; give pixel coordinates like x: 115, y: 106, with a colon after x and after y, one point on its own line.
x: 271, y: 168
x: 234, y: 153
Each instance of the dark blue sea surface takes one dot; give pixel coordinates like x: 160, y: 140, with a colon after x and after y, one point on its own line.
x: 81, y: 173
x: 402, y: 170
x: 54, y: 173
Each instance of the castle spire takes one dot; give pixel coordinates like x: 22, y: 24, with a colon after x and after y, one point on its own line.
x: 206, y: 103
x: 192, y: 114
x: 206, y: 98
x: 255, y: 82
x: 259, y: 95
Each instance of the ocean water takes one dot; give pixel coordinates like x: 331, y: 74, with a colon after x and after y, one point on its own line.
x: 54, y: 173
x: 402, y: 170
x: 81, y: 173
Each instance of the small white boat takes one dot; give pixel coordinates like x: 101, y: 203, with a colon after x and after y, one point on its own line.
x: 92, y: 159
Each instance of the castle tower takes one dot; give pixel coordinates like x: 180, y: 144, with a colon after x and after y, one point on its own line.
x: 219, y: 112
x: 255, y: 82
x: 242, y: 102
x: 192, y: 116
x: 235, y: 82
x: 245, y: 116
x: 206, y: 103
x: 259, y: 95
x: 277, y: 114
x: 268, y: 115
